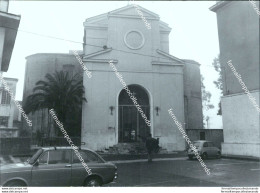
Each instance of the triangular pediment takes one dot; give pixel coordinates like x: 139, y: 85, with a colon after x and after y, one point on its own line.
x: 131, y: 10
x: 127, y: 11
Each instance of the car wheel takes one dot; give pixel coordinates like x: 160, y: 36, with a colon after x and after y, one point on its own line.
x: 218, y: 155
x: 93, y: 182
x: 191, y: 157
x: 205, y: 155
x: 15, y: 183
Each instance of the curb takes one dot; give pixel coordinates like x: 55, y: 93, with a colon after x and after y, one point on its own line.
x: 145, y: 160
x: 248, y: 158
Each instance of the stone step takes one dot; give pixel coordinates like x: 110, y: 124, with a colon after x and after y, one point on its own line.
x: 126, y: 148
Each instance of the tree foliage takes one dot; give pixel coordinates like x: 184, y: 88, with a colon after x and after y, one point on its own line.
x: 206, y: 97
x: 62, y: 92
x: 219, y: 82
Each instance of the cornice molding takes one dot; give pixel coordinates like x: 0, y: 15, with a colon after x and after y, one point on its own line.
x: 101, y: 60
x: 132, y: 16
x: 96, y: 53
x: 95, y: 27
x: 159, y: 63
x: 219, y: 5
x: 169, y: 56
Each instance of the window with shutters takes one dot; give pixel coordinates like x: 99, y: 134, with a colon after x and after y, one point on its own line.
x: 4, y: 121
x: 6, y: 98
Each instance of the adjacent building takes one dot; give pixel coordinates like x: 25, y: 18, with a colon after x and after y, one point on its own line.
x: 37, y: 66
x: 238, y: 30
x: 9, y: 24
x: 8, y: 109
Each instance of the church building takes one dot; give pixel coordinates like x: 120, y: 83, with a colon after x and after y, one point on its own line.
x: 158, y: 80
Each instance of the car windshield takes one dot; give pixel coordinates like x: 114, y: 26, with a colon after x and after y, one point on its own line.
x: 35, y: 156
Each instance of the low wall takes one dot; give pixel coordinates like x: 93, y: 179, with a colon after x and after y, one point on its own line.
x: 22, y: 145
x: 15, y: 146
x: 214, y: 135
x: 59, y: 141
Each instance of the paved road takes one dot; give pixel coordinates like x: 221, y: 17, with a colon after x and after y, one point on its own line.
x: 186, y: 173
x: 180, y: 172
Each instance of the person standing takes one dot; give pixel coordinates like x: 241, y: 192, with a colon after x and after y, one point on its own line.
x: 152, y: 146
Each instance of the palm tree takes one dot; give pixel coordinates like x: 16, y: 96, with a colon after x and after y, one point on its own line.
x: 64, y: 94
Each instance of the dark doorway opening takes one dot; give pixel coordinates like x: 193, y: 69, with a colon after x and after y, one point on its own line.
x: 202, y: 136
x: 132, y: 126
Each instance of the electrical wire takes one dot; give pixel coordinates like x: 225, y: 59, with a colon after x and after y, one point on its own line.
x: 72, y: 41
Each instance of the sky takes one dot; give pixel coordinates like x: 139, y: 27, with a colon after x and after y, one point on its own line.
x: 194, y: 34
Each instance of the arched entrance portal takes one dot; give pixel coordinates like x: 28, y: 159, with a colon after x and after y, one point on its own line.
x: 132, y: 126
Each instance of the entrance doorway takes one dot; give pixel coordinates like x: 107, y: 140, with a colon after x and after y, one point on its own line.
x: 132, y: 126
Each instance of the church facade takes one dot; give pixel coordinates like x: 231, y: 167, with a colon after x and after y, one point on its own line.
x: 158, y: 80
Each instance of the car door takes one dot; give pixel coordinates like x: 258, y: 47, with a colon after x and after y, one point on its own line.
x: 210, y: 149
x: 79, y: 173
x: 213, y: 149
x: 54, y: 169
x: 206, y: 148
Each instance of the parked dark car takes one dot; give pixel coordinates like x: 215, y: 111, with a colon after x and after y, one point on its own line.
x: 59, y: 166
x: 205, y: 149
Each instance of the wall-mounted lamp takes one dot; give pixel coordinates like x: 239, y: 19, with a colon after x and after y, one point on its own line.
x: 111, y: 109
x: 157, y: 110
x: 111, y: 127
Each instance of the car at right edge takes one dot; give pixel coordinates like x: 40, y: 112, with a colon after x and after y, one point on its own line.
x: 205, y: 149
